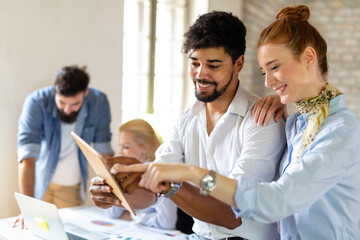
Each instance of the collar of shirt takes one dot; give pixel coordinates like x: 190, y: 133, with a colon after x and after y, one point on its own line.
x: 301, y: 121
x: 237, y: 107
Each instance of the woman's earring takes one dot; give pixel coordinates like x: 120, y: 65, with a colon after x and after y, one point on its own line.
x: 308, y: 67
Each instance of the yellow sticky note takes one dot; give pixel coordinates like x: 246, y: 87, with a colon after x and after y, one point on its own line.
x: 42, y: 224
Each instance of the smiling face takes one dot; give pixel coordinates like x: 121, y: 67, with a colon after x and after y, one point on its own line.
x: 212, y: 72
x: 289, y: 77
x: 129, y: 148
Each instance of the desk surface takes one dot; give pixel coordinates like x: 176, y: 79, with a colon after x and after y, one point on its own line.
x: 93, y: 219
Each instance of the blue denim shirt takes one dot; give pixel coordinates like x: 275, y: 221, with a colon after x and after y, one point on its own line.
x: 39, y: 133
x: 317, y: 196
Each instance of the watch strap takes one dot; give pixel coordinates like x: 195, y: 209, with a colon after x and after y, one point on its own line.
x: 174, y: 188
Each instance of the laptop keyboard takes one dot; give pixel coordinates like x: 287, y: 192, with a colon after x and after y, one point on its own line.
x: 74, y: 237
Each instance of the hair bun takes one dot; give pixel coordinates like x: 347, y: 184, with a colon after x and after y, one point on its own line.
x: 299, y: 12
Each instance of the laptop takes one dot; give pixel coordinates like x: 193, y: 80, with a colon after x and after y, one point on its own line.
x: 43, y: 220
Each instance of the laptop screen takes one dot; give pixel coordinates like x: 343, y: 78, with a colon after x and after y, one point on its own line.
x: 43, y: 220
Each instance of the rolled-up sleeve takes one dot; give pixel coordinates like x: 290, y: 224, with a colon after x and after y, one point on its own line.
x: 303, y: 183
x: 31, y: 150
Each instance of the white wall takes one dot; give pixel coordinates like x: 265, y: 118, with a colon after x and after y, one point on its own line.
x: 233, y: 6
x: 38, y: 37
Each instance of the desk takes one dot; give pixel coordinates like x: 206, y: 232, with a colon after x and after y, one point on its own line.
x: 93, y: 219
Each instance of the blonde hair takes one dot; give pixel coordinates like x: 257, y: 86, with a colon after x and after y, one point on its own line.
x: 292, y: 28
x: 144, y: 136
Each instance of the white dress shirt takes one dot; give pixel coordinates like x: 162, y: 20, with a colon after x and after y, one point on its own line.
x: 235, y: 147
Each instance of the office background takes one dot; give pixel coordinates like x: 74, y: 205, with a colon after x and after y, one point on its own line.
x: 37, y: 37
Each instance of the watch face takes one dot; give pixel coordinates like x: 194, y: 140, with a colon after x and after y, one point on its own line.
x: 208, y: 183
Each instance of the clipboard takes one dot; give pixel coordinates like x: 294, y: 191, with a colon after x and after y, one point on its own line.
x: 96, y: 161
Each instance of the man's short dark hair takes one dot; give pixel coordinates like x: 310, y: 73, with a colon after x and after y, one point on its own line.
x: 217, y: 29
x: 71, y: 80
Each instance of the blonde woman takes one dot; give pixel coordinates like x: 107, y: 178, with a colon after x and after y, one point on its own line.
x: 317, y: 195
x: 137, y: 139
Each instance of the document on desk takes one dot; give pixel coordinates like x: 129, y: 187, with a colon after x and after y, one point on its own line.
x: 93, y: 218
x: 96, y: 161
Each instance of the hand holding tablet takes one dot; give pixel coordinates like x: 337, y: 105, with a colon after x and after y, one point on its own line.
x: 97, y: 162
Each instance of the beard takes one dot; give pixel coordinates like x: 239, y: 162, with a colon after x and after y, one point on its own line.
x: 203, y: 97
x: 68, y: 118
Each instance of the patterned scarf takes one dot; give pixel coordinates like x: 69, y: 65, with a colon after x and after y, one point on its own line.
x: 318, y: 109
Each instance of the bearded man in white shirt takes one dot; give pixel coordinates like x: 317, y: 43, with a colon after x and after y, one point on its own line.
x: 218, y: 133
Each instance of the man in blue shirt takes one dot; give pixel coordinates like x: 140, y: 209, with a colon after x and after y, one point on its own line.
x: 51, y: 167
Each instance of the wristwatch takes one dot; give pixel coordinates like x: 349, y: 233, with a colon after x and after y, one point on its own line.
x: 174, y: 188
x: 208, y: 183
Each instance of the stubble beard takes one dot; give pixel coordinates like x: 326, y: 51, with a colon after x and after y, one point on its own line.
x: 203, y: 97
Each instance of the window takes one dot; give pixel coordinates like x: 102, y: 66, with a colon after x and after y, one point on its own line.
x: 153, y: 65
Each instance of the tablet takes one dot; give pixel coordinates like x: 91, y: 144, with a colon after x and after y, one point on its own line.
x: 97, y: 162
